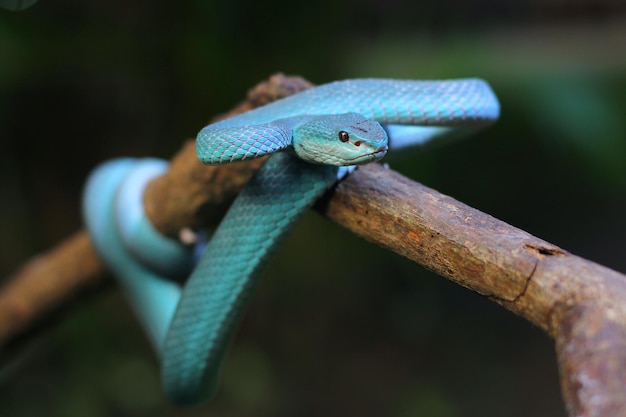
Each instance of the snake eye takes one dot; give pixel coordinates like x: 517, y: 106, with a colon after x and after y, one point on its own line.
x: 343, y: 136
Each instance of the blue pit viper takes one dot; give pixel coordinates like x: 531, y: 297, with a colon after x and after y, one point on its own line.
x: 314, y: 137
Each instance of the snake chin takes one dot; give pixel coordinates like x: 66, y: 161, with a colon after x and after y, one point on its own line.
x: 369, y: 157
x: 313, y: 155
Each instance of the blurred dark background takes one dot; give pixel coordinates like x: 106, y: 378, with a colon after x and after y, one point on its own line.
x: 338, y: 326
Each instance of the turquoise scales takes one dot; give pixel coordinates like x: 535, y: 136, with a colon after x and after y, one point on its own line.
x: 338, y: 124
x: 264, y: 212
x: 436, y: 106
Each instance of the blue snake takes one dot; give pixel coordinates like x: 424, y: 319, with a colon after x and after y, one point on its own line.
x: 314, y: 138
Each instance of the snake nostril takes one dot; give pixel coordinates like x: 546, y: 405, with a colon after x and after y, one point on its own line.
x: 357, y: 143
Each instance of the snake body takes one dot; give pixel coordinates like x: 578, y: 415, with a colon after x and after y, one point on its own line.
x: 311, y: 136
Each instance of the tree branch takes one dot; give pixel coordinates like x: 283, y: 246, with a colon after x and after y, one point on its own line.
x: 577, y: 302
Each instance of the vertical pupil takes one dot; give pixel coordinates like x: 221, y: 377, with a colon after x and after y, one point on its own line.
x: 343, y: 136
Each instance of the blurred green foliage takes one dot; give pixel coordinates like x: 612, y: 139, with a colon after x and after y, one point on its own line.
x: 338, y: 327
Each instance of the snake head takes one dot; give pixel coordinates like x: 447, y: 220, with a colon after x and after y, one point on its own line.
x: 340, y: 140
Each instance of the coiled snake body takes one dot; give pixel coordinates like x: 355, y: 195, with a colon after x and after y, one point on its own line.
x: 320, y: 132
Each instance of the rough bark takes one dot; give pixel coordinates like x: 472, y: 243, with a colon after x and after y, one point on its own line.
x: 581, y: 304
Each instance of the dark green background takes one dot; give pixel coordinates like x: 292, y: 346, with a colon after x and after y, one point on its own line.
x: 338, y: 327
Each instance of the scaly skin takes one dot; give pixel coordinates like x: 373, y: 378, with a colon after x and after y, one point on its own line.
x: 215, y: 295
x: 340, y: 124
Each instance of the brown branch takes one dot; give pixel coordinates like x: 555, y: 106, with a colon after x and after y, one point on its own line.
x: 47, y: 282
x: 577, y: 302
x: 581, y: 304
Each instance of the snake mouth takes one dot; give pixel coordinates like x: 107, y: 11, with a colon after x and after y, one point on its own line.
x: 377, y: 154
